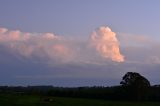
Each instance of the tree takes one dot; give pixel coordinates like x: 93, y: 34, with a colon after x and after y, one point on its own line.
x: 136, y: 86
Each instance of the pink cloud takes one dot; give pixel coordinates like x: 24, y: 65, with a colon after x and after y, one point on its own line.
x: 34, y: 44
x: 107, y: 44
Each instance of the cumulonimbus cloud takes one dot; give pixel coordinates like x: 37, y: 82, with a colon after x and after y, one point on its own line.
x: 48, y: 46
x: 107, y: 44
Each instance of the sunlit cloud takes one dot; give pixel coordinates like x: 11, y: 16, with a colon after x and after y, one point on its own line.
x: 41, y: 45
x: 107, y: 44
x: 51, y: 47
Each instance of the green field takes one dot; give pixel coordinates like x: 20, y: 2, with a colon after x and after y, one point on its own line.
x: 27, y: 100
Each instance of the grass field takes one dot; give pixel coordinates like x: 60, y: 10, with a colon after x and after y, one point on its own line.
x: 26, y: 100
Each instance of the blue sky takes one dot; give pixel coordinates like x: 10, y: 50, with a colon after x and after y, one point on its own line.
x: 80, y: 17
x: 61, y: 49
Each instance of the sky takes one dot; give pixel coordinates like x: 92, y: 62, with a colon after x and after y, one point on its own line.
x: 78, y: 42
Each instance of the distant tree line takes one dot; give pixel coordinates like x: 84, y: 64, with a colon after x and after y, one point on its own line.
x: 133, y: 87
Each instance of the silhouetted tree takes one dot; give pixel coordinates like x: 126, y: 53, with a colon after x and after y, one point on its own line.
x: 136, y: 86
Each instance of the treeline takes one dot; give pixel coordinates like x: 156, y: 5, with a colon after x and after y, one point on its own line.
x: 133, y: 87
x: 107, y: 93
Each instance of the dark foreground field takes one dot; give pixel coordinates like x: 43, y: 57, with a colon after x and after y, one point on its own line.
x: 31, y: 100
